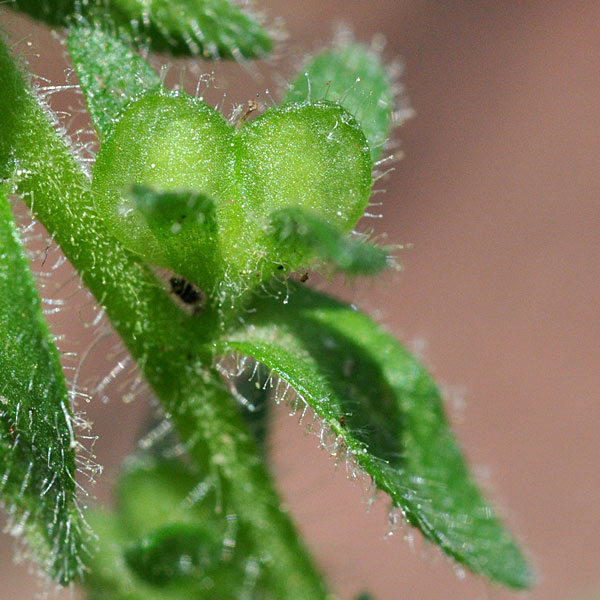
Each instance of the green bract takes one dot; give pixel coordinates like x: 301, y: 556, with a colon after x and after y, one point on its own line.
x: 121, y: 74
x: 305, y: 229
x: 382, y: 412
x: 303, y: 155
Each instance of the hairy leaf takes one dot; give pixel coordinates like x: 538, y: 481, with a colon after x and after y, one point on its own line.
x: 307, y: 231
x: 37, y: 445
x: 111, y: 74
x: 211, y: 28
x: 383, y: 413
x: 252, y: 390
x: 57, y: 12
x: 183, y: 224
x: 353, y: 75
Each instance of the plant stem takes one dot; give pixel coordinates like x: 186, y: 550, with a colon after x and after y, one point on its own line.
x: 173, y: 349
x: 213, y: 428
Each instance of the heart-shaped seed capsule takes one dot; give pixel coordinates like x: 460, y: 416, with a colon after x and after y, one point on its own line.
x: 312, y: 156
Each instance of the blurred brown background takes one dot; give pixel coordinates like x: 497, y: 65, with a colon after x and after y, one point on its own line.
x: 499, y: 196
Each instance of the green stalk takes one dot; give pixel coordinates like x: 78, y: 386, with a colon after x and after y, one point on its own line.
x: 216, y: 434
x: 173, y: 349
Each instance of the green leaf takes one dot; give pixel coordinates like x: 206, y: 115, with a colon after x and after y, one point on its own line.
x: 382, y: 411
x: 53, y: 12
x: 176, y: 551
x: 308, y: 233
x: 175, y: 532
x: 183, y: 224
x: 111, y: 74
x: 253, y: 392
x: 37, y: 444
x: 211, y: 28
x: 151, y: 493
x: 355, y: 76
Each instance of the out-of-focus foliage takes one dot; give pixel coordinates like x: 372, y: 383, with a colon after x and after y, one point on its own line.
x: 209, y: 28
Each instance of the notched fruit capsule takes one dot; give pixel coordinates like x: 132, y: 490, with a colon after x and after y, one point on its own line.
x: 311, y: 156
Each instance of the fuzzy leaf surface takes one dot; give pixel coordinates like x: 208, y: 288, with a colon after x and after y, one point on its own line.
x: 384, y: 412
x: 303, y: 229
x: 37, y: 445
x: 111, y: 74
x: 355, y: 76
x: 253, y: 391
x: 183, y: 223
x: 211, y: 28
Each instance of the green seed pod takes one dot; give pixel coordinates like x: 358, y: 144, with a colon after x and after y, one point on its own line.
x: 310, y: 156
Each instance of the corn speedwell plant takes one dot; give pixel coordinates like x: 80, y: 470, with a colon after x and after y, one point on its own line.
x: 186, y: 231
